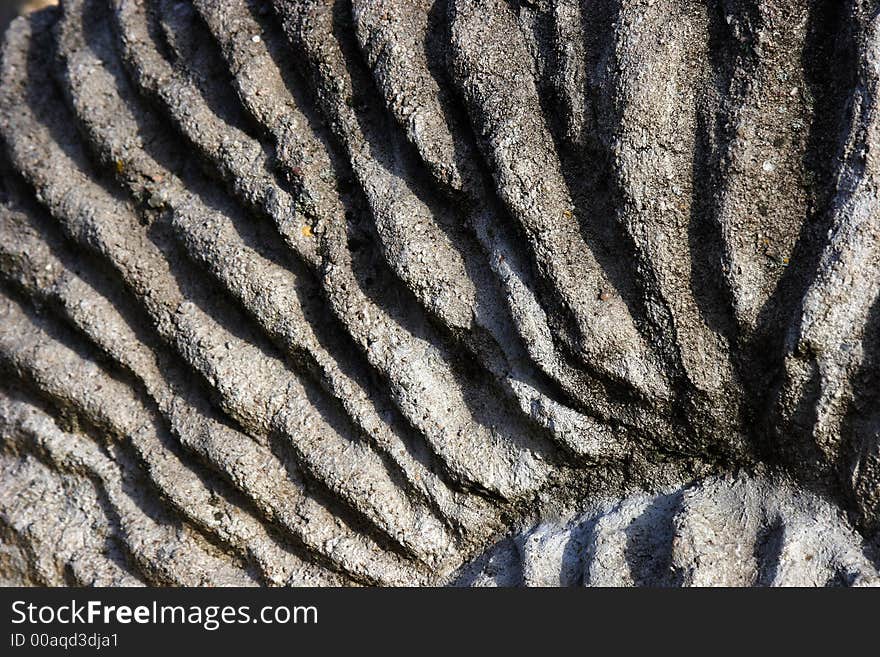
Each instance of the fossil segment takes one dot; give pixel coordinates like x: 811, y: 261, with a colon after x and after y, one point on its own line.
x: 740, y: 530
x: 341, y: 292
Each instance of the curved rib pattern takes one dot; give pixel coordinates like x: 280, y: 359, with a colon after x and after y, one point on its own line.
x: 339, y: 291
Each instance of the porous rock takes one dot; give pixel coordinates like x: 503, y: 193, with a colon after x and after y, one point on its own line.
x: 341, y: 292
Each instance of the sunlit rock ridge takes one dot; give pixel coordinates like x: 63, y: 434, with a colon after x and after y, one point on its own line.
x: 440, y: 292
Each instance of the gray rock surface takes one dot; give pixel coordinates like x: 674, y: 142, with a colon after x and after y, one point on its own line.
x: 342, y: 292
x: 734, y: 530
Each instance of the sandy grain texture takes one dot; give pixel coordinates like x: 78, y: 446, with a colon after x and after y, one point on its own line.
x: 343, y: 292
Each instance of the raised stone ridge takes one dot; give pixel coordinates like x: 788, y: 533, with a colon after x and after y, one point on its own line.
x: 346, y: 292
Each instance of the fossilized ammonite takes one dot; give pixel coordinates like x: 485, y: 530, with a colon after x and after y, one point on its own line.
x: 440, y: 291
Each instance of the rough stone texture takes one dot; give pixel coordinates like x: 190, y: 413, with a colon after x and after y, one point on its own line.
x: 345, y: 292
x: 735, y: 530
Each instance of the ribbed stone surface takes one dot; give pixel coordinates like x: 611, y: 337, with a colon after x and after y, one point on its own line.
x: 345, y: 292
x: 739, y: 530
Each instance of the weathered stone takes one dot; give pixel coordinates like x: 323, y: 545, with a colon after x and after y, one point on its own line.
x: 347, y: 292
